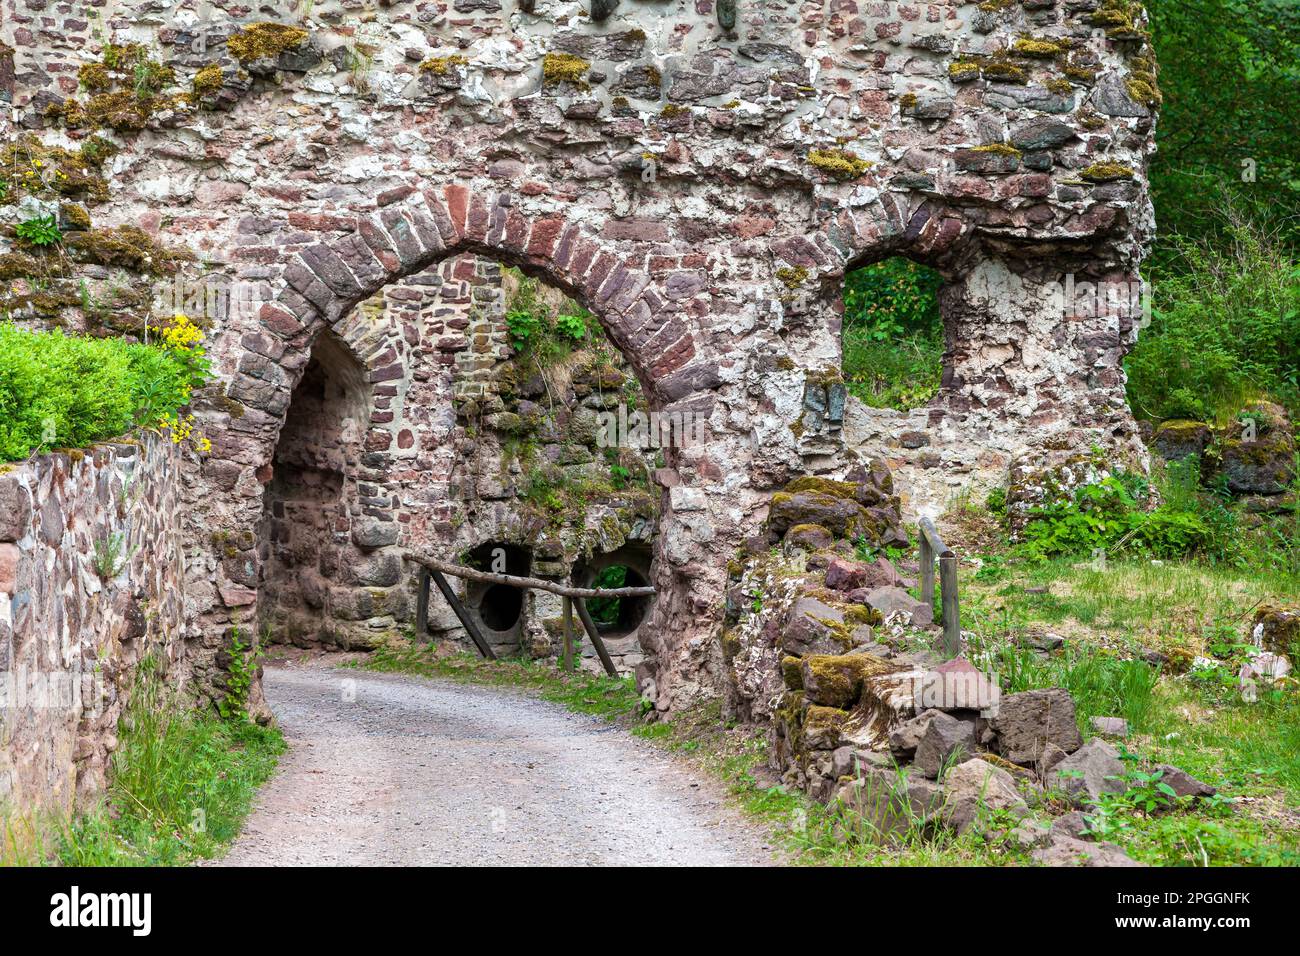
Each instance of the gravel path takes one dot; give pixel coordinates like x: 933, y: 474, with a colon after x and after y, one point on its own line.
x: 397, y: 770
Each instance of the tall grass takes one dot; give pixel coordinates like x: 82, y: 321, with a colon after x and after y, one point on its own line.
x: 1226, y: 325
x: 1101, y: 685
x: 181, y: 784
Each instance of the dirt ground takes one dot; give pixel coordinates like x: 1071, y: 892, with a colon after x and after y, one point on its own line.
x: 386, y: 769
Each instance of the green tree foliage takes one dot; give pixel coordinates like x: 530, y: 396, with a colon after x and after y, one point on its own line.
x: 1230, y: 76
x: 1225, y: 327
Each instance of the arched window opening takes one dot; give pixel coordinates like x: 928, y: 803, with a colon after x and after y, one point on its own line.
x: 893, y: 339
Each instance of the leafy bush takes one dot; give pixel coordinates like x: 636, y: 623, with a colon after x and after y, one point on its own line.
x: 893, y: 334
x: 545, y: 329
x: 61, y: 390
x: 1106, y: 516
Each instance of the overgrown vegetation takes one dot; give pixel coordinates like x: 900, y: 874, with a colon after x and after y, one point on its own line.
x: 181, y: 784
x: 1225, y: 325
x: 1113, y: 518
x: 60, y: 390
x: 1229, y: 80
x: 893, y: 334
x: 558, y: 345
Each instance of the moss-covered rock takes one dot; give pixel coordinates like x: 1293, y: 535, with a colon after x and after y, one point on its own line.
x: 1276, y: 628
x: 822, y: 726
x: 792, y: 672
x: 126, y: 246
x: 814, y: 626
x: 1179, y: 437
x: 1256, y: 454
x: 837, y: 680
x: 839, y: 163
x: 809, y: 537
x: 843, y: 517
x: 568, y: 68
x: 259, y: 41
x: 1106, y: 173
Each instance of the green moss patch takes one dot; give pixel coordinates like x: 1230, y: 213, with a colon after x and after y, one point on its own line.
x: 264, y: 40
x: 565, y: 68
x: 839, y: 163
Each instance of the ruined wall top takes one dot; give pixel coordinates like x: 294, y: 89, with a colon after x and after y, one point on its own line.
x: 833, y: 130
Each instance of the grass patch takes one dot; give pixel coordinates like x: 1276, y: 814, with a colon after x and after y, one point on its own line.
x: 182, y: 783
x: 598, y: 696
x: 1109, y: 615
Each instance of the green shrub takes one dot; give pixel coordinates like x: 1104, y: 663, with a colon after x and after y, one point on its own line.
x: 1106, y: 516
x: 545, y: 333
x: 68, y: 391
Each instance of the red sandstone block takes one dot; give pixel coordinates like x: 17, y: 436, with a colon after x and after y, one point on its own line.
x: 636, y: 230
x: 516, y: 237
x: 317, y: 222
x: 390, y: 196
x: 457, y: 206
x: 438, y: 210
x: 565, y: 248
x: 543, y: 237
x: 583, y: 255
x: 8, y: 568
x: 477, y: 219
x: 599, y: 271
x: 426, y: 227
x: 674, y: 357
x: 374, y: 236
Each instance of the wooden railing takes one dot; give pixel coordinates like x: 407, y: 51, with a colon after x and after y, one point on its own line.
x: 932, y: 548
x: 436, y: 570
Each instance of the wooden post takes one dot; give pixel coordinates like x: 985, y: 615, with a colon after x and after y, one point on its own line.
x: 927, y: 572
x: 466, y: 622
x: 932, y: 547
x: 597, y: 641
x: 951, y: 612
x: 568, y: 633
x: 422, y: 604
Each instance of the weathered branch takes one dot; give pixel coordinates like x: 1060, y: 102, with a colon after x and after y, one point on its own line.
x: 514, y: 581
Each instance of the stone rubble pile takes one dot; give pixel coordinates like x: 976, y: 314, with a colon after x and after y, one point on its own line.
x: 833, y: 650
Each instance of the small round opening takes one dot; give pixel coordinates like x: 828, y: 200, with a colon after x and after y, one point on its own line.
x: 618, y: 615
x: 501, y: 607
x: 497, y: 608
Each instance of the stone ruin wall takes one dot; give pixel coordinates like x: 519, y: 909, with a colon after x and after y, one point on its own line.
x: 701, y: 187
x: 91, y: 570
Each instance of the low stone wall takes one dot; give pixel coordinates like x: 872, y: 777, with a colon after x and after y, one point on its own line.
x: 91, y: 565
